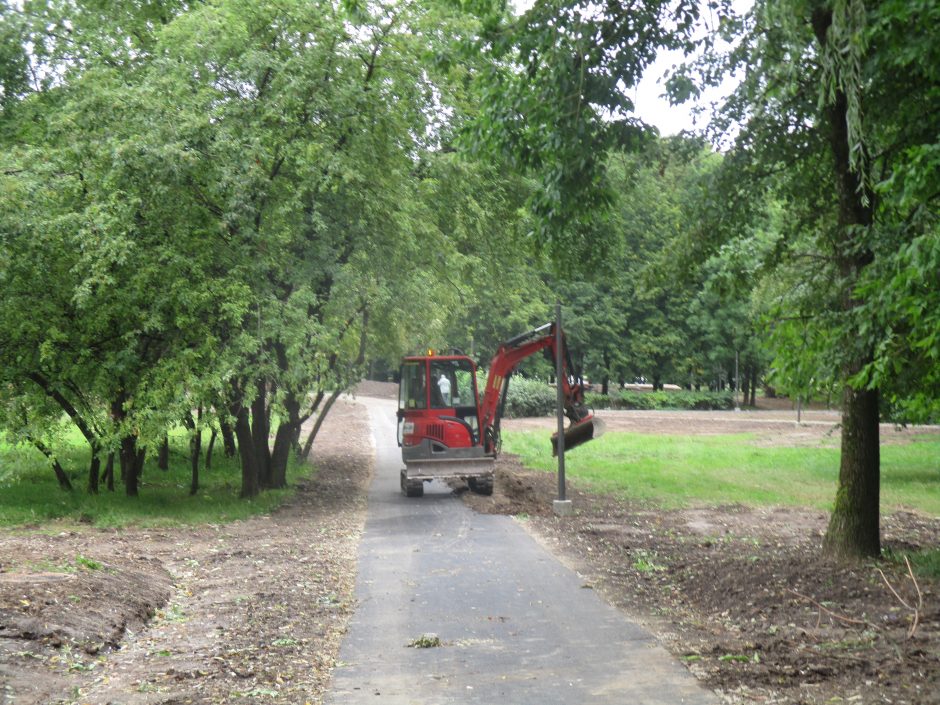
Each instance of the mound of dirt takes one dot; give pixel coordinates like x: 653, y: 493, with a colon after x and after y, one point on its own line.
x: 61, y: 611
x: 742, y: 594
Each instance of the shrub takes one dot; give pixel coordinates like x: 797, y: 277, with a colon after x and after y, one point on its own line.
x: 529, y: 397
x: 532, y: 397
x: 649, y: 401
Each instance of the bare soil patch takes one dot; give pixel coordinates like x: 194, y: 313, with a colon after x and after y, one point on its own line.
x: 741, y: 594
x: 238, y: 613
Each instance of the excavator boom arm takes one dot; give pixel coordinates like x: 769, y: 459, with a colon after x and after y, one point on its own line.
x: 507, y: 357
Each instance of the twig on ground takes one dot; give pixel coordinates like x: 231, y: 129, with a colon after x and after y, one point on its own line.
x: 915, y: 620
x: 834, y: 615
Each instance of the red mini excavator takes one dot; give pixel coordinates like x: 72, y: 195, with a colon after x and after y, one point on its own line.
x: 446, y: 430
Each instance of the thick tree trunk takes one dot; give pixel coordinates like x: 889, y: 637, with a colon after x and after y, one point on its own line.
x: 281, y: 454
x: 228, y: 439
x: 129, y: 467
x: 260, y: 432
x: 127, y: 453
x: 854, y: 527
x: 94, y: 468
x: 246, y: 452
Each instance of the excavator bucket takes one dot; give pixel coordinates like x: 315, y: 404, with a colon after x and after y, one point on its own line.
x: 578, y: 433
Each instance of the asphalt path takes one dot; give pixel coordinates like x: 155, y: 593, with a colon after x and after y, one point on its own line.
x: 515, y: 626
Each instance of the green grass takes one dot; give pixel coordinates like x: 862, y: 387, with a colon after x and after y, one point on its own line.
x: 924, y: 562
x: 30, y: 495
x: 674, y: 471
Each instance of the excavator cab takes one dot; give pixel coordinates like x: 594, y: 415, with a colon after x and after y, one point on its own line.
x: 439, y: 422
x: 438, y: 387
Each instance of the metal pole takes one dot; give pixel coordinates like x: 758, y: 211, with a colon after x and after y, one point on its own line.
x: 559, y: 371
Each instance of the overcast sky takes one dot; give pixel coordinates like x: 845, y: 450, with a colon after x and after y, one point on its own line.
x: 652, y: 108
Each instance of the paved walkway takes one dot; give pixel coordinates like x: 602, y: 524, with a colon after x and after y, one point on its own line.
x: 516, y: 627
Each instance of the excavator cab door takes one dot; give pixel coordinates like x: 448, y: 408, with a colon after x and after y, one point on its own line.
x: 412, y: 393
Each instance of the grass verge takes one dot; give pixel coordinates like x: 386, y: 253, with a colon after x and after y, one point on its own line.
x: 675, y: 471
x: 30, y: 495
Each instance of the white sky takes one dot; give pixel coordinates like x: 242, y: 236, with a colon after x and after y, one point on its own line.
x: 652, y: 108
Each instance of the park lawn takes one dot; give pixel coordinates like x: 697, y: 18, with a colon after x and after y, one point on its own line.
x: 676, y: 471
x: 30, y: 494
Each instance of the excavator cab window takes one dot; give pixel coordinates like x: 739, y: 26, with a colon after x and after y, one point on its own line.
x: 443, y: 385
x: 451, y: 384
x: 412, y: 392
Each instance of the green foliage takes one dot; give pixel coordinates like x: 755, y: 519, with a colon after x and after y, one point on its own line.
x: 222, y: 204
x: 645, y: 312
x: 529, y: 397
x: 649, y: 401
x: 686, y: 470
x: 87, y: 563
x: 925, y: 563
x: 555, y: 104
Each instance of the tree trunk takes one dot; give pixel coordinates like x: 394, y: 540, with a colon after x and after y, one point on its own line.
x: 754, y: 385
x: 228, y: 439
x: 854, y: 527
x: 260, y: 431
x: 109, y: 472
x: 281, y: 454
x: 163, y: 457
x: 139, y: 461
x: 60, y: 474
x: 127, y: 452
x: 246, y: 452
x: 90, y: 436
x: 94, y: 468
x: 212, y: 438
x: 305, y: 453
x: 195, y: 453
x: 292, y: 404
x: 128, y: 457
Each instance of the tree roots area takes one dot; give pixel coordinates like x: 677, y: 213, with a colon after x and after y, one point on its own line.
x: 254, y: 611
